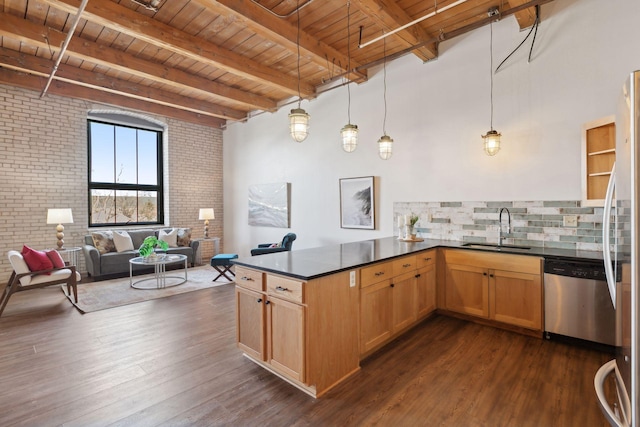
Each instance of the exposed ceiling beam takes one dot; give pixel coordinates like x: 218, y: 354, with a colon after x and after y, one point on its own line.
x: 141, y: 27
x: 390, y: 15
x: 47, y: 38
x: 283, y: 33
x: 526, y: 17
x: 69, y: 90
x: 41, y: 67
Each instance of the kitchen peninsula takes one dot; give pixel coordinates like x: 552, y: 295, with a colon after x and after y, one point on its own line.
x: 310, y: 316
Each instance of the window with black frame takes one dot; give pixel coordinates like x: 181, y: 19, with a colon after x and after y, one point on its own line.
x: 125, y: 174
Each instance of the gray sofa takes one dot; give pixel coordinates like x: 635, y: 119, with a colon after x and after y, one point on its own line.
x: 112, y: 264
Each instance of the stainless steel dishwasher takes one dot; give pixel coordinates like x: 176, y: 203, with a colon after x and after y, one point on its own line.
x: 577, y: 302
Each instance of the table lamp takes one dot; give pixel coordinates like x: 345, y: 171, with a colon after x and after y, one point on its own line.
x: 59, y: 216
x: 206, y: 214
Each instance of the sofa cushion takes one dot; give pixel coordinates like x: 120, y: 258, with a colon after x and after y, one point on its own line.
x: 36, y: 260
x: 171, y: 237
x: 184, y: 237
x: 122, y: 241
x: 55, y: 258
x: 138, y: 236
x: 103, y: 241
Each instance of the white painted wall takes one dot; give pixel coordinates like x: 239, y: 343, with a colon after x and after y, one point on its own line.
x: 437, y: 112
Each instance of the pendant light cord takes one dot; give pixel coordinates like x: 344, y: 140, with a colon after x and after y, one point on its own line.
x: 491, y: 67
x: 348, y: 61
x: 298, y: 43
x: 384, y: 81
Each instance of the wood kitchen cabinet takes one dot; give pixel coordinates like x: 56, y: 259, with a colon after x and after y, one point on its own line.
x: 426, y: 283
x: 304, y: 331
x: 598, y: 157
x: 393, y: 296
x: 505, y: 288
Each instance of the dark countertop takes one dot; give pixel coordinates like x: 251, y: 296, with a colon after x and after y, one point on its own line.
x: 308, y: 264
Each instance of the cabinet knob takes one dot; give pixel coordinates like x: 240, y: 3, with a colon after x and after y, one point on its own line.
x: 392, y: 285
x: 417, y: 275
x: 281, y: 289
x: 259, y: 300
x: 267, y: 302
x: 484, y: 274
x: 491, y: 275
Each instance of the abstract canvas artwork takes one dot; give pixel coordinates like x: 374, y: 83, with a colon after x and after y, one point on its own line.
x: 357, y: 204
x: 269, y: 204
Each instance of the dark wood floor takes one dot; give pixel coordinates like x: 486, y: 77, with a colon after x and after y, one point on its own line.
x: 173, y: 362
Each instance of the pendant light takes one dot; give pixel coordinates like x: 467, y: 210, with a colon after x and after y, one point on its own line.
x: 298, y: 118
x: 385, y: 143
x: 349, y: 132
x: 492, y: 138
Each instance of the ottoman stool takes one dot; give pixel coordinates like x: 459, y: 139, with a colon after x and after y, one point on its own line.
x: 222, y: 263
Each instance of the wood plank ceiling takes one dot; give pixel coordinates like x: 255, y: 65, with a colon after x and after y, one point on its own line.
x: 207, y: 61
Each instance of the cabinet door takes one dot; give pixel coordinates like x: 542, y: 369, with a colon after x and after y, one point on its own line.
x: 285, y: 337
x: 375, y: 315
x: 516, y: 298
x: 426, y: 290
x: 250, y: 321
x: 404, y: 301
x: 467, y: 290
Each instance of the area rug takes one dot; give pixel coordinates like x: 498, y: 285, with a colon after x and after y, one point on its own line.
x: 94, y: 296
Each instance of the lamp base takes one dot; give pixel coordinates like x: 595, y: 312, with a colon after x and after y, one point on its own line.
x: 60, y: 236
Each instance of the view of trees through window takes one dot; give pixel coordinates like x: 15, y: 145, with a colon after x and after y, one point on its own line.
x: 125, y: 176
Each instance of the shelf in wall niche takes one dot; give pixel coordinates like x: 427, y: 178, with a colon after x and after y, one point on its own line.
x: 598, y: 157
x: 595, y: 153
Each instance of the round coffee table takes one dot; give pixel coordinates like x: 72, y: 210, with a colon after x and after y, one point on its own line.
x: 160, y: 274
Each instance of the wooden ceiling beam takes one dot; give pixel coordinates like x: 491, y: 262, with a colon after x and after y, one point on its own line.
x: 389, y: 15
x: 35, y: 83
x: 42, y: 67
x: 141, y: 27
x: 269, y: 26
x: 47, y: 38
x: 526, y: 17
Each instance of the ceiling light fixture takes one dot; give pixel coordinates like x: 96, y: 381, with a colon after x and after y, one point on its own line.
x: 349, y: 132
x: 385, y: 143
x: 492, y: 138
x: 299, y: 119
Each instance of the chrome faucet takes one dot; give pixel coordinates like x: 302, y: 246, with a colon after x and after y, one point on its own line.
x: 501, y: 238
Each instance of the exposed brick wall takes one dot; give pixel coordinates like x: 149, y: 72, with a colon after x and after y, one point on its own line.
x: 43, y: 164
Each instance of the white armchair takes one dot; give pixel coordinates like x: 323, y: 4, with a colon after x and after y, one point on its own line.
x: 23, y: 280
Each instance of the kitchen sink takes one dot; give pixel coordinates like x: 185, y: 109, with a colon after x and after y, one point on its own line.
x: 495, y: 246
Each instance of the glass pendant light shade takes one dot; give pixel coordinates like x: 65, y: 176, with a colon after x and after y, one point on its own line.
x: 299, y: 124
x: 349, y: 135
x: 491, y: 142
x: 385, y: 147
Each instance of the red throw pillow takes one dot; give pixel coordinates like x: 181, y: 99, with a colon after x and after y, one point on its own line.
x: 36, y: 260
x: 55, y: 258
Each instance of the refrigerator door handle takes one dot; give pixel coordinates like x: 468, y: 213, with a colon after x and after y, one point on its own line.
x: 606, y: 225
x: 601, y: 376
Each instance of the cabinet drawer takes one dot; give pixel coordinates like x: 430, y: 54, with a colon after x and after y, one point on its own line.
x: 375, y: 273
x: 285, y: 288
x: 404, y: 264
x: 250, y: 279
x: 426, y: 258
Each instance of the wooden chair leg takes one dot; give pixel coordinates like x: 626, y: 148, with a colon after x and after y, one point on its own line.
x: 7, y: 292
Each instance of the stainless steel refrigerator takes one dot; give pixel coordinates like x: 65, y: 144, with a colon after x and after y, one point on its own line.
x: 620, y: 246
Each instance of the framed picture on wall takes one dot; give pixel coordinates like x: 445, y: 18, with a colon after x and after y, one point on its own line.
x: 357, y: 204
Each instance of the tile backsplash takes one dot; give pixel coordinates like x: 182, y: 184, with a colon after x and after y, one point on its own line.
x: 533, y: 223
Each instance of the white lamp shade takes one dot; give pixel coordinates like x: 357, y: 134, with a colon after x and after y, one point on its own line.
x: 385, y: 147
x: 59, y: 216
x: 299, y: 124
x: 206, y: 213
x: 349, y: 137
x: 491, y: 142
